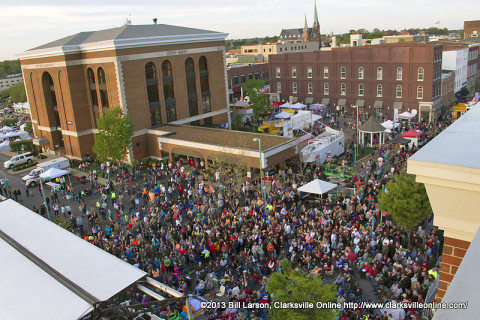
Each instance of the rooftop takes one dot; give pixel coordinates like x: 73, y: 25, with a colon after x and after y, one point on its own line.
x: 221, y: 137
x: 457, y: 145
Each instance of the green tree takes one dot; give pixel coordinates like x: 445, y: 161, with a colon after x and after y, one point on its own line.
x: 9, y: 66
x: 406, y: 201
x: 298, y: 286
x: 258, y: 99
x: 17, y: 93
x: 114, y: 136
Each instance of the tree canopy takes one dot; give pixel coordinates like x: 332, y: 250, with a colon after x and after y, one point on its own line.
x: 406, y: 201
x: 258, y: 100
x: 8, y: 67
x: 114, y: 135
x: 298, y: 286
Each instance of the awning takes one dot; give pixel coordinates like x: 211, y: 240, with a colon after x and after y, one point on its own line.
x: 360, y: 103
x: 397, y: 105
x: 326, y: 101
x: 378, y: 104
x: 437, y: 106
x: 309, y: 100
x: 237, y: 89
x: 40, y: 141
x: 293, y: 99
x: 342, y: 102
x: 446, y: 103
x: 452, y: 99
x: 230, y: 91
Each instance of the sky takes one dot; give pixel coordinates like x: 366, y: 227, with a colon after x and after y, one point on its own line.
x: 29, y: 23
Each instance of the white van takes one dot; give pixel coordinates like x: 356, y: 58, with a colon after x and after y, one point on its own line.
x: 18, y: 160
x: 33, y: 177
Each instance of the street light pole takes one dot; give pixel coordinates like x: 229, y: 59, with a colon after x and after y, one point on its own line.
x: 356, y: 134
x: 261, y: 170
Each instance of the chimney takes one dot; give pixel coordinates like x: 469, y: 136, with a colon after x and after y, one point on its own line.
x: 154, y: 20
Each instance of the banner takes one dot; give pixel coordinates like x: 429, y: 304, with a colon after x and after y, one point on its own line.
x: 395, y: 115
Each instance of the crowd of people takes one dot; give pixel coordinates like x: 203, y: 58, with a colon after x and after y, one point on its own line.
x: 188, y: 232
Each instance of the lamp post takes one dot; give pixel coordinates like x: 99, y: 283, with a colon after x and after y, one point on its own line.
x: 261, y: 170
x: 356, y: 134
x: 44, y: 200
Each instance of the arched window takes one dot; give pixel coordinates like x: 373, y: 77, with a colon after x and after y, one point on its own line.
x: 343, y: 89
x: 152, y: 94
x: 379, y: 90
x: 325, y: 89
x: 421, y: 74
x: 379, y: 73
x: 168, y: 92
x: 191, y: 87
x: 102, y: 87
x: 420, y: 92
x: 309, y: 72
x: 279, y: 87
x: 310, y: 88
x: 204, y: 85
x: 294, y: 72
x: 277, y: 73
x: 50, y: 99
x: 398, y: 92
x: 93, y: 94
x: 399, y: 73
x: 360, y: 73
x: 325, y: 72
x: 294, y: 87
x: 360, y: 90
x: 343, y: 73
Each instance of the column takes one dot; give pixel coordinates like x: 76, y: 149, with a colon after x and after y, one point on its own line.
x: 453, y: 252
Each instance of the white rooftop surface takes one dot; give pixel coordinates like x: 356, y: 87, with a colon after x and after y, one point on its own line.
x: 317, y: 186
x: 457, y: 145
x: 28, y: 292
x: 464, y: 286
x: 97, y: 272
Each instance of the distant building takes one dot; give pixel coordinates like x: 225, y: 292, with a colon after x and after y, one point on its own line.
x: 377, y: 78
x: 10, y: 81
x: 21, y: 108
x: 406, y: 38
x: 471, y: 29
x: 238, y: 75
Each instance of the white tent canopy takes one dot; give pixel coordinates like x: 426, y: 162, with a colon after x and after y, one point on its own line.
x: 43, y: 255
x: 406, y: 115
x: 5, y: 129
x: 283, y: 115
x: 316, y: 117
x: 298, y: 105
x: 53, y: 173
x: 317, y: 186
x: 390, y: 125
x: 287, y: 105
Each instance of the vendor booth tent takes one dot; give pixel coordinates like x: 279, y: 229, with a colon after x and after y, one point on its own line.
x: 390, y: 125
x: 318, y: 107
x: 413, y: 136
x: 286, y: 105
x: 398, y: 140
x: 406, y: 115
x: 298, y: 105
x: 283, y: 115
x: 53, y: 173
x: 317, y: 186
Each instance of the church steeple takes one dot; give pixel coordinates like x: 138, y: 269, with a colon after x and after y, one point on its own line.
x: 305, y: 31
x: 315, y: 16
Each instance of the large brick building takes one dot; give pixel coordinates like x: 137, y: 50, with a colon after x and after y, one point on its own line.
x: 377, y: 78
x: 157, y: 74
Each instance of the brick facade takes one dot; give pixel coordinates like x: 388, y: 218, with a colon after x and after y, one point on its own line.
x: 453, y: 252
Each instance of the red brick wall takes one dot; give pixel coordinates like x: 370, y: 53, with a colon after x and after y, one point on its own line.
x: 453, y: 252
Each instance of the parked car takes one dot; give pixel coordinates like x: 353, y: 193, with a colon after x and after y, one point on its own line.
x: 18, y: 160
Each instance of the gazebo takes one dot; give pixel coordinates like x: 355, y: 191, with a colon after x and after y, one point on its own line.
x: 372, y: 127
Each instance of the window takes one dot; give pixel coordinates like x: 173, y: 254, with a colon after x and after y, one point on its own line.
x: 152, y: 94
x: 102, y: 86
x: 325, y: 89
x: 343, y: 73
x: 398, y: 92
x: 191, y: 87
x: 278, y: 72
x: 294, y: 87
x: 325, y: 72
x: 50, y: 98
x: 250, y: 76
x: 379, y: 73
x: 257, y: 75
x: 243, y: 78
x: 310, y: 88
x: 343, y: 89
x: 294, y: 72
x: 399, y: 73
x: 309, y: 72
x: 420, y: 92
x: 168, y: 92
x: 379, y: 90
x: 360, y: 90
x: 360, y: 73
x: 93, y: 94
x: 204, y: 84
x: 420, y: 74
x: 234, y: 80
x: 279, y: 87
